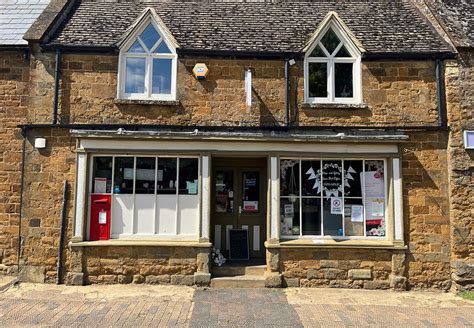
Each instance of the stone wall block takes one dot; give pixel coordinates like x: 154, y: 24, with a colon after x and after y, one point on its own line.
x: 273, y: 260
x: 187, y: 280
x: 357, y: 274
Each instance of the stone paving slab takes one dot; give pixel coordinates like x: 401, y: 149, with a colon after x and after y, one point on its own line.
x: 33, y: 305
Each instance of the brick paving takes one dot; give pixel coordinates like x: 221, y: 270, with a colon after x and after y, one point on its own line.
x: 182, y: 307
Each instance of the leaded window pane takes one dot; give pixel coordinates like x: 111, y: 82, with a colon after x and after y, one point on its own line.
x: 150, y: 36
x: 317, y: 80
x: 135, y: 75
x: 330, y: 41
x: 161, y: 82
x: 343, y: 80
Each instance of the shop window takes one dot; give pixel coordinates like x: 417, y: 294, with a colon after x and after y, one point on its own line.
x: 332, y: 68
x: 147, y: 65
x: 338, y: 198
x: 151, y: 195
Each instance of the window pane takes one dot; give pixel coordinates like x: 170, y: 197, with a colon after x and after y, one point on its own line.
x: 317, y: 80
x: 330, y: 41
x: 343, y: 52
x: 162, y: 48
x: 188, y: 176
x: 102, y: 175
x: 317, y: 52
x: 352, y: 181
x: 224, y: 191
x: 290, y: 216
x: 162, y: 76
x: 166, y: 176
x: 145, y: 175
x: 343, y: 76
x: 150, y: 36
x: 289, y: 177
x: 374, y: 198
x: 311, y: 216
x: 332, y: 222
x: 135, y: 75
x: 123, y: 175
x: 251, y: 191
x: 353, y: 217
x: 136, y: 48
x: 311, y: 180
x: 332, y: 178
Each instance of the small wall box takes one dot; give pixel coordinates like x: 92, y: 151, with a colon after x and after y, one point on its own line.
x: 200, y: 71
x: 469, y: 139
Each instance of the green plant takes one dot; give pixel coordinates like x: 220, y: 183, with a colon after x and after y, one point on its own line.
x: 467, y: 295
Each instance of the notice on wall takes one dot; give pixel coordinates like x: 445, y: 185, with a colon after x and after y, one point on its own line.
x: 192, y: 187
x: 289, y: 209
x: 336, y: 205
x: 145, y: 174
x: 357, y: 213
x: 374, y: 184
x: 375, y: 208
x: 100, y: 185
x: 128, y: 173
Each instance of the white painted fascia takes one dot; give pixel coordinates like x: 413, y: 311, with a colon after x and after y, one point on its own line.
x: 333, y: 17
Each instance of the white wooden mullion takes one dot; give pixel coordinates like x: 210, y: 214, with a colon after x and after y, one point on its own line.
x: 176, y: 184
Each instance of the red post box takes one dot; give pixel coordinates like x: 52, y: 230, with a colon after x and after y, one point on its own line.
x: 100, y: 217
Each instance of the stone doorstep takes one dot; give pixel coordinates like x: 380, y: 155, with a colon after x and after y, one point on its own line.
x: 247, y: 281
x: 233, y: 271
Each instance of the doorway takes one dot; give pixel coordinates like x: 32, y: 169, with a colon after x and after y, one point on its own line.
x: 239, y: 202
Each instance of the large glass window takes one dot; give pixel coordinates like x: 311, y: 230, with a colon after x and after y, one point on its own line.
x: 151, y: 195
x: 332, y: 71
x: 148, y: 67
x: 340, y: 198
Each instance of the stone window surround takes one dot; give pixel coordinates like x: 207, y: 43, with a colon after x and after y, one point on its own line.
x: 388, y: 151
x: 357, y: 70
x: 121, y: 95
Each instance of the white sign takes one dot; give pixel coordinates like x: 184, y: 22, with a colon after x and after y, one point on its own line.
x: 103, y: 217
x: 375, y: 208
x: 469, y: 139
x: 357, y: 213
x: 374, y: 185
x: 100, y: 185
x: 250, y: 206
x: 289, y: 209
x: 336, y: 205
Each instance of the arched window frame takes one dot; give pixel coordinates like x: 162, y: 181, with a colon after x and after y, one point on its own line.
x: 149, y: 56
x: 330, y: 60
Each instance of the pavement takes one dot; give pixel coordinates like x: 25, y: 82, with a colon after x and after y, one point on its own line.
x: 46, y: 305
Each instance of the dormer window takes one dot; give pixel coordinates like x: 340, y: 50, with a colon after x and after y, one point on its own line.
x: 332, y: 68
x: 147, y: 65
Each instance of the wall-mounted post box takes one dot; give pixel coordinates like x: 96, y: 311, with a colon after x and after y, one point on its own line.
x: 100, y: 217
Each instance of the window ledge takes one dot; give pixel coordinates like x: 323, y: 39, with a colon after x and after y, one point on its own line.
x: 331, y: 243
x: 128, y: 242
x: 335, y: 106
x: 147, y: 102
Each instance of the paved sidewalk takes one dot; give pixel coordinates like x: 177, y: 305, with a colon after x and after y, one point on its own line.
x: 169, y: 306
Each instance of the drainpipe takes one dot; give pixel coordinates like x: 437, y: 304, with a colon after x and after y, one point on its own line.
x: 287, y: 92
x: 62, y: 233
x: 441, y: 94
x: 57, y: 73
x: 22, y: 178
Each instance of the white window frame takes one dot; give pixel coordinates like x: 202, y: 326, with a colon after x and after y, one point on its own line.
x: 330, y: 61
x: 123, y: 55
x: 154, y: 234
x: 321, y: 197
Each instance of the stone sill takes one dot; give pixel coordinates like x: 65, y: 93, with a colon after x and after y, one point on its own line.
x: 146, y: 102
x: 335, y: 106
x: 331, y: 243
x: 128, y: 242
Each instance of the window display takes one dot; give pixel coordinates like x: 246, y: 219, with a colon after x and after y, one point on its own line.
x: 342, y: 198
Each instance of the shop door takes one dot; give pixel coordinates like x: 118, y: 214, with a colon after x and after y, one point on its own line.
x: 239, y: 202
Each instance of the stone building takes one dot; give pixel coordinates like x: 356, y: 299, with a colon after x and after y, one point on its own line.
x: 316, y: 132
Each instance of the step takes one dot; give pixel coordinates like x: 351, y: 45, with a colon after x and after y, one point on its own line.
x: 238, y: 282
x: 232, y: 271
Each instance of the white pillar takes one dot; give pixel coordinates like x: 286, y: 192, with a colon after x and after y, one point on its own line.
x: 274, y: 199
x: 397, y: 200
x: 81, y: 193
x: 206, y: 198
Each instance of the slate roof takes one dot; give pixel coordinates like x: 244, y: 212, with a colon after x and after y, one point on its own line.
x: 382, y: 26
x: 457, y: 17
x: 16, y: 16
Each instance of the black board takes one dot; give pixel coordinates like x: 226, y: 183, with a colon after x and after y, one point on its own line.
x: 239, y: 244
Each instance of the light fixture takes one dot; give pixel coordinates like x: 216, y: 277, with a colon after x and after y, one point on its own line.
x: 40, y: 143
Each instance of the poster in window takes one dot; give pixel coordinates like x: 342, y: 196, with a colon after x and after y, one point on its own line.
x: 332, y: 178
x: 250, y: 206
x: 374, y: 184
x: 100, y: 185
x: 357, y: 213
x: 336, y: 205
